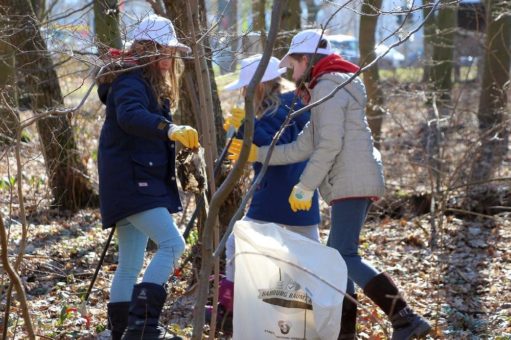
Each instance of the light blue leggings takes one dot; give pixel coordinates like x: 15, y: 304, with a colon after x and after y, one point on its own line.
x: 347, y: 218
x: 132, y: 233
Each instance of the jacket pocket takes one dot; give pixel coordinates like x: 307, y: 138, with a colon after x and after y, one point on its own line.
x: 149, y: 166
x: 150, y: 173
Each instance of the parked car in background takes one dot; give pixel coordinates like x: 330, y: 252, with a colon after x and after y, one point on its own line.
x: 393, y: 58
x: 347, y: 46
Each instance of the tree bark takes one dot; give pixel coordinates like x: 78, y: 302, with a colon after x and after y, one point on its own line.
x: 232, y: 178
x: 367, y: 30
x: 429, y: 31
x: 233, y: 31
x: 189, y: 107
x: 443, y: 51
x: 493, y: 113
x: 259, y: 19
x: 106, y: 24
x: 290, y: 25
x: 39, y: 7
x: 312, y: 11
x: 68, y: 180
x: 9, y: 120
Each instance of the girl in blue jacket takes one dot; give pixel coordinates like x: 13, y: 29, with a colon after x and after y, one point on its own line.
x: 269, y: 203
x: 136, y: 166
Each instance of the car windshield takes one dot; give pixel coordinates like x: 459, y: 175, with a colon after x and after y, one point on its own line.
x: 343, y: 46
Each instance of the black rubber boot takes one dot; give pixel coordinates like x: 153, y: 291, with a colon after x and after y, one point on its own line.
x: 145, y: 308
x: 348, y: 319
x: 117, y: 318
x: 406, y: 323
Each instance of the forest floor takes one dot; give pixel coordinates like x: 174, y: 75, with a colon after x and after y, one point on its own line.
x: 462, y: 284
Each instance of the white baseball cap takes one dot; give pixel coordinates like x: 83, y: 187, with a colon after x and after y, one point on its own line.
x: 307, y: 41
x: 249, y: 67
x: 159, y: 30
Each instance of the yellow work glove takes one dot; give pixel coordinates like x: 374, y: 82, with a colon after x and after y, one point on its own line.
x: 235, y: 150
x: 300, y: 198
x: 235, y: 118
x: 185, y: 135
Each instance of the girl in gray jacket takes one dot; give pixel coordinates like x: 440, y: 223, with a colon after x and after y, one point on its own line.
x: 345, y: 167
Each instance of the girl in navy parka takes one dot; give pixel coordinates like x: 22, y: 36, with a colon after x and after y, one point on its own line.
x: 269, y: 203
x: 137, y: 183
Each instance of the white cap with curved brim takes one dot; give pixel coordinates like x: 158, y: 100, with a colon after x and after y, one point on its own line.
x: 248, y: 69
x: 160, y: 30
x: 307, y: 41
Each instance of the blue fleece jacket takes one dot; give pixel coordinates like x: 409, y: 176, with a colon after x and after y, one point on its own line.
x: 270, y: 200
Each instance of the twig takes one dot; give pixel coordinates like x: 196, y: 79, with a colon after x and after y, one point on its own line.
x: 16, y: 282
x: 466, y: 212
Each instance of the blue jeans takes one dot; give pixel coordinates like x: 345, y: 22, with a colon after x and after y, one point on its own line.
x: 347, y: 218
x: 132, y: 233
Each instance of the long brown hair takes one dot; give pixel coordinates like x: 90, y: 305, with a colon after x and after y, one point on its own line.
x: 266, y: 97
x: 165, y: 85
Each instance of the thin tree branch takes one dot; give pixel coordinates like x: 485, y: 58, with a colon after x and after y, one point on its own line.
x: 233, y: 176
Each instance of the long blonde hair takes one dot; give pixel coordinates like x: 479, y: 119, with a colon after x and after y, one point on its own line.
x: 165, y: 85
x: 267, y: 97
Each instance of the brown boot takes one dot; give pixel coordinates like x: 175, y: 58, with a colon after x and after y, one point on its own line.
x: 406, y: 323
x: 348, y: 319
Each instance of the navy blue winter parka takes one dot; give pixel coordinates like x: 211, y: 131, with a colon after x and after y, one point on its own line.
x: 270, y: 201
x: 136, y: 159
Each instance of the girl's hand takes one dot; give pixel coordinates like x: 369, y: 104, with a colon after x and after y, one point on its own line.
x: 235, y: 118
x: 235, y: 150
x: 185, y: 135
x: 300, y: 198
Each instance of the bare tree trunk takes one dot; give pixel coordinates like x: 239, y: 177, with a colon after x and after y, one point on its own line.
x: 8, y: 119
x: 443, y: 52
x: 233, y: 30
x: 290, y: 25
x: 375, y: 112
x: 189, y: 108
x: 429, y: 31
x: 493, y: 114
x: 39, y: 8
x: 106, y: 24
x: 232, y: 178
x: 312, y: 11
x: 68, y: 180
x: 259, y: 19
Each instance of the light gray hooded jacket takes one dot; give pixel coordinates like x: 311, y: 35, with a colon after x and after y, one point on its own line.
x: 337, y: 141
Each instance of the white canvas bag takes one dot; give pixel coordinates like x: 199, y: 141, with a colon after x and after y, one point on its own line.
x: 286, y: 285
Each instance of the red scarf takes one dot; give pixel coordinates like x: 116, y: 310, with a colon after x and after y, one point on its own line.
x: 330, y: 64
x: 120, y: 55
